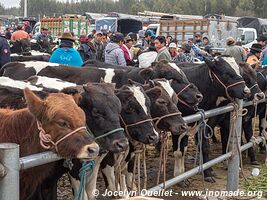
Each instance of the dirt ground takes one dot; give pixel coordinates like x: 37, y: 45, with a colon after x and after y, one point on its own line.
x: 195, y: 182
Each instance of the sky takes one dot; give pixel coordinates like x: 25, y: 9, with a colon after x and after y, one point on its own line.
x: 13, y: 3
x: 10, y: 3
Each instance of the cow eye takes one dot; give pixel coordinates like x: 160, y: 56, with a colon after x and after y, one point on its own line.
x: 63, y: 124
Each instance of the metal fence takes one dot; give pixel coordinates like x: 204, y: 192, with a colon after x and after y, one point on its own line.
x: 11, y: 164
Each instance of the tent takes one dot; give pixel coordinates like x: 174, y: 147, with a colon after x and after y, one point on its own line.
x: 252, y: 22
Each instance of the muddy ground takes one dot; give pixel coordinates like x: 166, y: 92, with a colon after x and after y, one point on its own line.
x: 195, y: 183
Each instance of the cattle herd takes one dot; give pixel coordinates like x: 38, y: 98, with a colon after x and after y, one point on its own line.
x: 100, y: 111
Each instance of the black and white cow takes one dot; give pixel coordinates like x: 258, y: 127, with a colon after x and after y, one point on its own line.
x: 219, y: 77
x: 187, y: 93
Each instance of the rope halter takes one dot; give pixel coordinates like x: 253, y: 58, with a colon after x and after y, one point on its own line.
x: 46, y: 139
x: 225, y: 87
x: 182, y: 90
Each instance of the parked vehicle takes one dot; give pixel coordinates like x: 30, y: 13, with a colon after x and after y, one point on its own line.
x: 56, y: 26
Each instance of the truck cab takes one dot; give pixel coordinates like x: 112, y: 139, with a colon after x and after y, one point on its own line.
x: 247, y: 36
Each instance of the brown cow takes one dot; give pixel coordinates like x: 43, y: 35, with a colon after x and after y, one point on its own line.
x: 58, y: 116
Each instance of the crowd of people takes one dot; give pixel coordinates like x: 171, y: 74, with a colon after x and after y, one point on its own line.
x: 134, y: 49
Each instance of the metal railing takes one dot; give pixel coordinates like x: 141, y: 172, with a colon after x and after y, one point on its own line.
x: 11, y: 164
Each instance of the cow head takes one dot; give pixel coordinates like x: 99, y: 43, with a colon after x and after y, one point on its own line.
x: 59, y: 115
x: 187, y: 93
x: 163, y: 103
x: 250, y: 78
x: 225, y: 72
x: 135, y: 114
x: 102, y: 108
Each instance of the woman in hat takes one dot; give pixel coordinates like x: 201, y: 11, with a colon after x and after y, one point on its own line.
x: 66, y: 54
x: 254, y: 55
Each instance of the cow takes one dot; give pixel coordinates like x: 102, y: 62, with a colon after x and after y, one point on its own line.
x: 187, y: 93
x: 217, y: 77
x: 60, y: 118
x: 163, y: 105
x: 223, y: 121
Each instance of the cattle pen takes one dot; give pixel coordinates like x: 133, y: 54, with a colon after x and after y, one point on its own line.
x: 11, y: 164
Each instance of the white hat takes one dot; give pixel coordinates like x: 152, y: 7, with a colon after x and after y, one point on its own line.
x: 172, y: 45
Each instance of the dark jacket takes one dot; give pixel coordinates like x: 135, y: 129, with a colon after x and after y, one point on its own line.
x: 4, y: 51
x: 87, y: 52
x: 100, y: 48
x: 8, y: 35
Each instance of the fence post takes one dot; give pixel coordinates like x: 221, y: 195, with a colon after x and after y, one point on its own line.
x: 9, y: 184
x: 234, y: 162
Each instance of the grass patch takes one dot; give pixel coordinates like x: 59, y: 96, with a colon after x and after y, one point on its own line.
x: 257, y: 183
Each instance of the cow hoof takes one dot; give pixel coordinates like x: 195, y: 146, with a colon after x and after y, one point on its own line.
x: 214, y: 174
x: 210, y: 179
x: 255, y: 162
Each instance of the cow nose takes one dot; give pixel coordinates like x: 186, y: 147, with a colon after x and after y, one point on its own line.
x: 246, y: 90
x: 183, y: 128
x: 121, y: 145
x: 259, y: 96
x: 199, y: 97
x: 153, y: 139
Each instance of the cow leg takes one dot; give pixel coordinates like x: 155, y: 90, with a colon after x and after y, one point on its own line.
x: 108, y: 172
x: 130, y: 170
x: 247, y: 127
x: 262, y: 120
x: 179, y: 155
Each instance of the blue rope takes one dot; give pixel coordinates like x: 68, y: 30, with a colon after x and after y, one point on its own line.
x: 87, y: 167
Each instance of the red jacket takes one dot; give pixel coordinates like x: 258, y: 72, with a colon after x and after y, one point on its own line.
x: 127, y: 54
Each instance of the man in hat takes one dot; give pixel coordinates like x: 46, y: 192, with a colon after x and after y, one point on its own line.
x: 66, y: 54
x: 149, y: 35
x: 113, y: 53
x: 87, y: 49
x: 254, y: 55
x: 27, y: 27
x: 235, y: 51
x: 4, y: 51
x: 198, y: 42
x: 184, y: 56
x: 19, y: 34
x: 100, y: 48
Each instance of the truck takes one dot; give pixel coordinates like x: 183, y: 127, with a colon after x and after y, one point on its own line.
x: 57, y: 25
x: 216, y: 29
x: 250, y: 28
x: 117, y: 22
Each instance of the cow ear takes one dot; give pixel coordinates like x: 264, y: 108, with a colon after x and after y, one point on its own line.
x: 34, y: 103
x: 154, y: 93
x: 147, y: 73
x: 210, y: 62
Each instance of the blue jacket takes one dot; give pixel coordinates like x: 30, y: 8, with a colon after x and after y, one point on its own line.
x: 264, y: 63
x: 4, y: 51
x: 66, y: 56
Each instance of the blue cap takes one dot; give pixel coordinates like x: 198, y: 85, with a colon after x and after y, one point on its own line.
x: 149, y: 33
